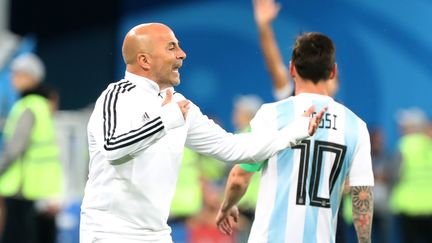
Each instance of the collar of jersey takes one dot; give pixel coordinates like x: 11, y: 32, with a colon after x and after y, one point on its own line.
x: 142, y: 82
x: 314, y: 95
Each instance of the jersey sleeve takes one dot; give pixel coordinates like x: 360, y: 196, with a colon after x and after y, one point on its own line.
x: 252, y: 167
x: 361, y: 168
x: 258, y: 121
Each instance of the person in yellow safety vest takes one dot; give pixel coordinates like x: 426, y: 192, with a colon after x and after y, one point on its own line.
x: 30, y: 170
x: 188, y: 195
x: 187, y: 199
x: 411, y: 198
x: 211, y: 169
x: 188, y: 204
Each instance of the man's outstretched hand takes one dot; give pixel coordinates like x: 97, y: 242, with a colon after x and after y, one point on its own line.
x: 314, y: 121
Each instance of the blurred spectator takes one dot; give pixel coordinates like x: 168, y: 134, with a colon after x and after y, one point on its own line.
x: 187, y: 200
x: 429, y: 128
x: 195, y: 169
x: 245, y: 108
x: 197, y: 194
x: 412, y: 195
x: 30, y: 168
x: 383, y: 170
x: 202, y: 228
x: 8, y: 95
x: 210, y: 168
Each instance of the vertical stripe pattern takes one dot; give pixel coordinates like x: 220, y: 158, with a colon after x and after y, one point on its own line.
x: 311, y: 217
x: 285, y: 163
x: 307, y: 180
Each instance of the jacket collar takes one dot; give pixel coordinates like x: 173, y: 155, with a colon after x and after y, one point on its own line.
x: 142, y: 82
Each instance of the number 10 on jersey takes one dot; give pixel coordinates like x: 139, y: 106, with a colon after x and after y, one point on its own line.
x: 317, y: 162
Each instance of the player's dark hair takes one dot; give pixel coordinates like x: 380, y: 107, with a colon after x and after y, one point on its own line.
x: 313, y: 56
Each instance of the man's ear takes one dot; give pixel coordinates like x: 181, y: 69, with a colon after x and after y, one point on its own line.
x: 292, y: 70
x: 333, y: 72
x: 143, y: 60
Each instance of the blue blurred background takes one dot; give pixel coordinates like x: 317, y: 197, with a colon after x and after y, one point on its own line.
x: 383, y: 51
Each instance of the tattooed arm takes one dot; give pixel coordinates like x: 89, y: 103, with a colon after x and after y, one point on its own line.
x: 362, y: 202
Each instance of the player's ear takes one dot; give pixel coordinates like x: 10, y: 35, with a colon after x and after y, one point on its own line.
x: 292, y: 69
x: 333, y: 71
x: 143, y: 60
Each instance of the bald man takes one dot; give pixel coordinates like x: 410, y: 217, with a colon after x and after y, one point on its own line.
x: 137, y: 133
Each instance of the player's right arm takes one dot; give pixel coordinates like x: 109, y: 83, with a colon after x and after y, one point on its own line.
x: 362, y: 204
x: 361, y: 182
x: 236, y: 187
x: 265, y: 11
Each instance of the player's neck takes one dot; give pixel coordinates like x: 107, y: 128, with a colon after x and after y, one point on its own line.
x: 310, y: 87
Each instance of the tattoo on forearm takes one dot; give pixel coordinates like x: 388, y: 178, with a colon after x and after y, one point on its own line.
x: 362, y: 201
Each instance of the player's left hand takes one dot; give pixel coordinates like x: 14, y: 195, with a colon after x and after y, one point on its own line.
x: 225, y: 220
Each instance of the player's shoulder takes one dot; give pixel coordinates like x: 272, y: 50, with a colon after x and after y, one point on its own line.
x: 114, y: 89
x: 273, y: 105
x: 286, y: 100
x: 121, y: 86
x: 268, y: 113
x: 267, y: 108
x: 349, y: 113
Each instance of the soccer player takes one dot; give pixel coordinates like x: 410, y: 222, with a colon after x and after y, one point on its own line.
x: 301, y: 187
x: 265, y: 12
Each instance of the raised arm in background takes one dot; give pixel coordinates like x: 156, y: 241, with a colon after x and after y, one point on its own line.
x: 265, y: 11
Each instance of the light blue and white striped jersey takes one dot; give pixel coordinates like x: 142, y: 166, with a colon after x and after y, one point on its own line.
x: 301, y: 187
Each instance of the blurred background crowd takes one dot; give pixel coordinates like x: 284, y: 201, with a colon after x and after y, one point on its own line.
x: 56, y: 57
